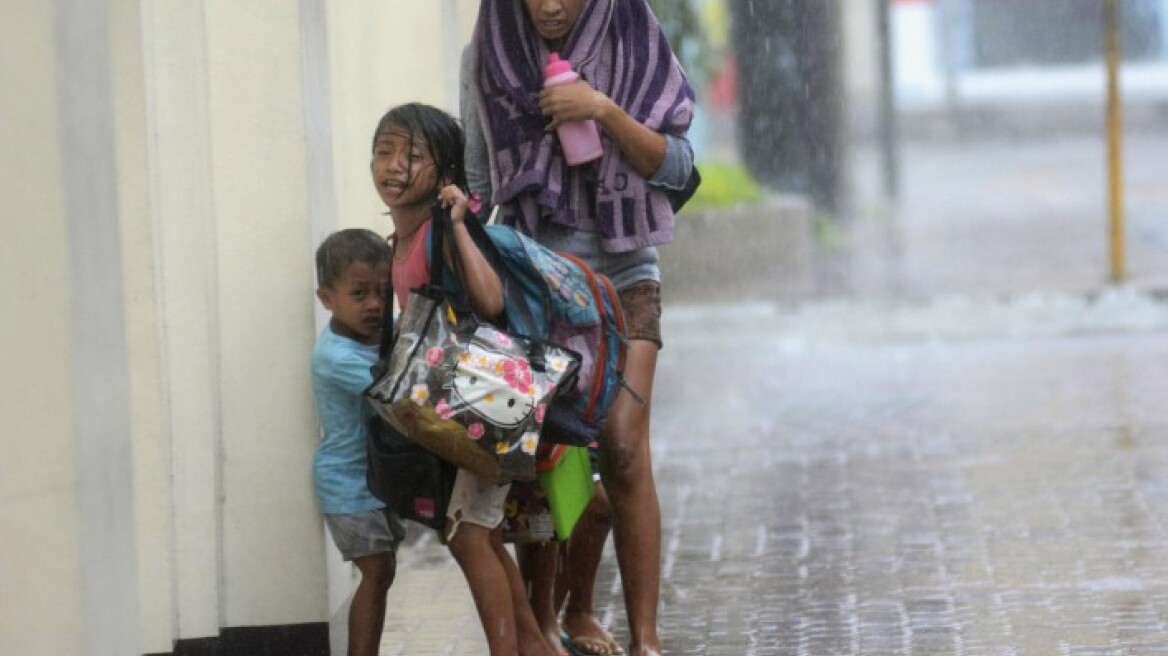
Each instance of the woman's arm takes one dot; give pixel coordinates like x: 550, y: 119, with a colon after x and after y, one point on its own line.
x: 478, y: 174
x: 482, y: 282
x: 641, y: 146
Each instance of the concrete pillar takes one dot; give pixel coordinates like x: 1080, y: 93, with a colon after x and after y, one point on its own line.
x: 185, y: 223
x: 322, y: 220
x: 148, y: 428
x: 383, y: 54
x: 171, y: 167
x: 230, y: 178
x: 272, y: 551
x: 100, y: 373
x: 41, y: 606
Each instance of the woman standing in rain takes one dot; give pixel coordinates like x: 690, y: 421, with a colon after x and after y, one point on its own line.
x: 612, y: 212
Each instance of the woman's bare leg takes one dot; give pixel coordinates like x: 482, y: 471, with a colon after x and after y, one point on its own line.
x: 627, y: 471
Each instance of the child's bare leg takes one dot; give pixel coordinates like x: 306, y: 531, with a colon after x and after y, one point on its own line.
x: 367, y: 610
x: 584, y: 551
x: 532, y: 641
x: 489, y: 586
x: 538, y: 562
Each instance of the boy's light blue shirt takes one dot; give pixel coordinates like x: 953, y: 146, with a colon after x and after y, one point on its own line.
x: 340, y: 372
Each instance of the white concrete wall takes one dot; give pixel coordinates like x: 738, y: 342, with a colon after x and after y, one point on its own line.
x: 41, y: 607
x: 383, y: 54
x: 265, y: 329
x: 183, y: 191
x: 150, y: 458
x: 170, y: 167
x: 103, y: 446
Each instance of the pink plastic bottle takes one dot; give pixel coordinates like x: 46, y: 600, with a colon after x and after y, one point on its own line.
x: 580, y: 139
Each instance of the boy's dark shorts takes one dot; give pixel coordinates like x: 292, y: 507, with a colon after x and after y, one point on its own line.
x: 641, y: 304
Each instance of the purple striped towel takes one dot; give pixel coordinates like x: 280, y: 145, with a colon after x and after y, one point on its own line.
x: 619, y: 48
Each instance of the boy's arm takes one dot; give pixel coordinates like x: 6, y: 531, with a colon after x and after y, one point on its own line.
x: 348, y: 371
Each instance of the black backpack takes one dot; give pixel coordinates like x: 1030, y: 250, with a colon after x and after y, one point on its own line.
x: 412, y: 481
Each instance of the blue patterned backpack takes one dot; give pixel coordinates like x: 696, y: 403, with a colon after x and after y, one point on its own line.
x: 558, y: 298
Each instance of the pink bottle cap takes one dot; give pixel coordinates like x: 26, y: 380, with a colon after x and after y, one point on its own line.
x: 556, y: 66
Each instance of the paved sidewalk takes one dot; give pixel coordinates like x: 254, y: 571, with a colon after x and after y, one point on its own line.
x: 870, y: 495
x: 879, y: 496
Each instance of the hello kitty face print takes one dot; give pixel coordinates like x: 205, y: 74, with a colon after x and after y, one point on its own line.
x: 497, y: 387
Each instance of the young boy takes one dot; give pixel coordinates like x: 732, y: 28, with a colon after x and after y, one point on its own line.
x: 352, y: 268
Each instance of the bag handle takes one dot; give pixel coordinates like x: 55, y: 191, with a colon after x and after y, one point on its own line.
x: 439, y: 222
x: 385, y: 345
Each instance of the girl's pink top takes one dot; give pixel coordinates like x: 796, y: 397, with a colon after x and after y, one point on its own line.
x: 413, y: 270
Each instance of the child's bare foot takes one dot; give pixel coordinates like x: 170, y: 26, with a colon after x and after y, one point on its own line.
x: 586, y: 637
x: 538, y: 642
x: 553, y: 637
x: 540, y: 648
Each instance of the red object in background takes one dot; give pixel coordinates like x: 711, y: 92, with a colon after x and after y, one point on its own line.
x: 722, y: 91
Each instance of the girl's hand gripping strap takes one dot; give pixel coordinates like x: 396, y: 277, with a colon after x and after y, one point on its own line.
x: 441, y: 230
x: 443, y: 243
x: 491, y: 252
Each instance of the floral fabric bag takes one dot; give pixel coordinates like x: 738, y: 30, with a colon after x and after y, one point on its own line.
x: 466, y: 390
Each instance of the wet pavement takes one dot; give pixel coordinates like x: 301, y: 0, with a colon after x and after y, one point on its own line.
x: 983, y: 496
x: 957, y: 445
x: 976, y: 496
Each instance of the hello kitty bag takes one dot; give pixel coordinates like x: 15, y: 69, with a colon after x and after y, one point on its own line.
x: 465, y: 390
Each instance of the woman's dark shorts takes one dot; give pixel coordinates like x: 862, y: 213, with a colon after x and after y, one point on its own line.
x: 641, y: 304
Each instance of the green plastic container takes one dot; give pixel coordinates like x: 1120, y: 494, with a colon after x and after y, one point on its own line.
x: 568, y: 486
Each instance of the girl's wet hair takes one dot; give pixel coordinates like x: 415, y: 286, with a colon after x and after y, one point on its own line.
x: 344, y: 247
x: 442, y: 134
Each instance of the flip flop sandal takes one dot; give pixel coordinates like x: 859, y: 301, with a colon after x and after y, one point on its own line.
x: 590, y: 645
